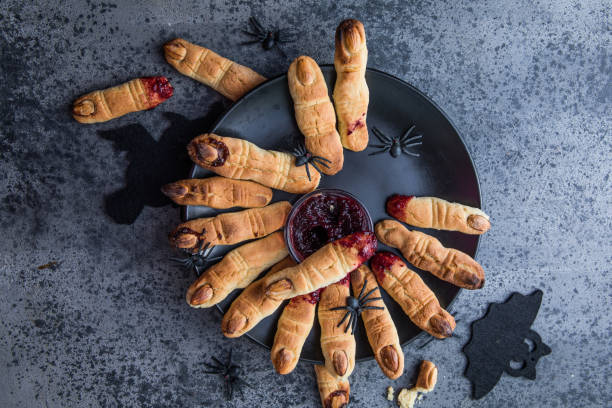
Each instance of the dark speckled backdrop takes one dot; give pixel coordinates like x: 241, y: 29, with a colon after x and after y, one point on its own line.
x: 529, y: 84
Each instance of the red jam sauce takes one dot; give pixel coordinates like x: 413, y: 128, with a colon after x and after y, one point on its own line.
x: 356, y: 125
x: 397, y: 203
x: 326, y: 217
x: 345, y: 281
x: 365, y: 241
x: 330, y: 398
x: 383, y: 261
x: 222, y: 152
x: 158, y: 89
x: 312, y: 298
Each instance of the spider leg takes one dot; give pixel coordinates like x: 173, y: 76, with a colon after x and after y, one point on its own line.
x: 386, y: 149
x: 381, y: 136
x: 286, y: 40
x: 344, y: 318
x: 350, y: 322
x: 365, y: 282
x: 307, y: 172
x: 256, y: 25
x: 242, y: 382
x: 256, y: 35
x: 281, y: 51
x: 417, y: 137
x: 367, y: 294
x: 320, y: 163
x: 407, y: 133
x: 412, y: 144
x: 313, y: 164
x: 218, y: 362
x: 321, y: 158
x: 410, y: 153
x: 285, y: 36
x: 354, y: 326
x: 370, y: 300
x: 250, y: 42
x: 372, y: 308
x: 213, y: 367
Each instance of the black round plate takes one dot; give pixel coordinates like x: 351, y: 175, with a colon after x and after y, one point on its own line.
x: 444, y: 169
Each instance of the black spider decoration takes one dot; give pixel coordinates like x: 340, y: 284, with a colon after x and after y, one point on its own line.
x: 396, y: 145
x: 354, y: 307
x: 196, y: 261
x: 230, y: 373
x: 304, y: 158
x: 268, y: 38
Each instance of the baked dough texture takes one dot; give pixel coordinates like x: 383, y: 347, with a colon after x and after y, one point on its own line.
x: 132, y: 96
x: 227, y: 77
x: 337, y: 343
x: 416, y: 299
x: 231, y: 227
x: 426, y: 381
x: 252, y: 305
x: 239, y: 159
x: 218, y: 192
x: 327, y: 265
x: 333, y: 391
x: 238, y: 268
x: 427, y: 253
x: 315, y: 113
x: 380, y: 329
x: 293, y: 327
x: 351, y: 94
x: 433, y: 212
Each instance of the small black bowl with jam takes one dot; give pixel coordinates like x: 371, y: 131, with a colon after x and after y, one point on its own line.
x: 323, y: 216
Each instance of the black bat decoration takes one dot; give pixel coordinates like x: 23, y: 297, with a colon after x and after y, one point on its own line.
x: 499, y: 338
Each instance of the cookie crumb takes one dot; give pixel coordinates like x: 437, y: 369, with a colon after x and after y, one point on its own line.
x: 390, y: 393
x: 428, y: 376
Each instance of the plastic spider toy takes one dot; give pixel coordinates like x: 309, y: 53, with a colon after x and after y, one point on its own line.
x: 396, y: 145
x: 304, y: 158
x: 230, y: 373
x: 268, y: 38
x: 196, y: 261
x: 354, y: 307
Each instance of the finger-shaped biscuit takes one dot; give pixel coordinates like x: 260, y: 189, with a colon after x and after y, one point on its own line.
x: 230, y: 79
x: 294, y: 325
x: 236, y: 270
x: 243, y: 160
x: 327, y: 265
x: 427, y: 253
x: 315, y: 113
x: 218, y: 192
x: 132, y: 96
x: 230, y: 228
x: 333, y: 391
x: 252, y: 305
x: 433, y: 212
x: 381, y: 331
x: 351, y: 94
x: 416, y: 299
x: 337, y: 340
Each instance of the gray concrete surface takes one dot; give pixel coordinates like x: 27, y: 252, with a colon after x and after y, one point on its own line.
x: 528, y: 83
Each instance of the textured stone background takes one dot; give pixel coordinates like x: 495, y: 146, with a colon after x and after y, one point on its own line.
x: 528, y: 83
